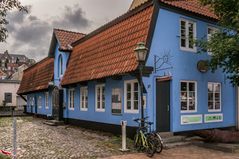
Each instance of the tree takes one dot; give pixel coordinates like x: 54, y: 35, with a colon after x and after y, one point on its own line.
x: 5, y: 7
x: 224, y: 44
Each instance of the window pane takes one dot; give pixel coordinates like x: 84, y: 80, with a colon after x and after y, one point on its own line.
x: 217, y: 96
x: 210, y: 105
x: 128, y: 87
x: 136, y: 95
x: 183, y: 95
x: 191, y: 86
x: 136, y: 105
x: 129, y: 96
x: 210, y: 87
x: 217, y: 88
x: 217, y: 105
x: 129, y: 105
x: 183, y: 42
x: 183, y: 86
x: 183, y: 105
x: 136, y: 87
x: 191, y: 104
x: 210, y: 96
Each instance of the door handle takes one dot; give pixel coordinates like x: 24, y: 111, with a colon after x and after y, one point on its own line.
x: 168, y: 108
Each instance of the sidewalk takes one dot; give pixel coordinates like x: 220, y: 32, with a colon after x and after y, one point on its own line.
x: 188, y: 152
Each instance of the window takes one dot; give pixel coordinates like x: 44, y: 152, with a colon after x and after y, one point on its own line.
x: 71, y: 98
x: 83, y: 98
x: 131, y: 89
x: 60, y: 67
x: 210, y: 31
x: 100, y: 98
x: 39, y: 102
x: 116, y: 101
x: 214, y: 96
x: 47, y: 100
x: 8, y: 97
x: 188, y: 35
x: 188, y: 96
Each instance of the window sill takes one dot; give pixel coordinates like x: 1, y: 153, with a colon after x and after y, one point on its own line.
x: 187, y: 112
x: 188, y: 50
x: 83, y: 110
x: 131, y: 111
x: 214, y: 111
x: 72, y: 109
x: 100, y: 110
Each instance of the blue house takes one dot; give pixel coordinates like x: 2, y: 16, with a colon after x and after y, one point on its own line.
x: 41, y: 82
x: 96, y: 75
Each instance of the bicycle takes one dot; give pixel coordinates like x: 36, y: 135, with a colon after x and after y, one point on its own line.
x: 146, y: 140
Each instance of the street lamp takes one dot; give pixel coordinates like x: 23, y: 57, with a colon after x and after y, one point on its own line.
x: 141, y: 52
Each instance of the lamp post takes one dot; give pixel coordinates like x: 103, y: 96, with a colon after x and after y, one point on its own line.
x: 141, y: 52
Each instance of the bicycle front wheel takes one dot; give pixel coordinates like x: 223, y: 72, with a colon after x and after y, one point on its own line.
x: 151, y: 149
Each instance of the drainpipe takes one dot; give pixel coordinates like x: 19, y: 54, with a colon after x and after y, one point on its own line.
x: 237, y: 109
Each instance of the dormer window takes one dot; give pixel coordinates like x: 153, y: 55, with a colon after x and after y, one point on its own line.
x: 60, y: 66
x: 187, y: 35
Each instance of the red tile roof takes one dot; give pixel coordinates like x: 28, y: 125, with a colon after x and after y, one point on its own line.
x: 37, y: 77
x: 193, y: 6
x: 66, y: 37
x: 111, y: 50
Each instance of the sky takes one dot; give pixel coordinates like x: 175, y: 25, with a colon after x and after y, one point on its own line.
x: 30, y: 33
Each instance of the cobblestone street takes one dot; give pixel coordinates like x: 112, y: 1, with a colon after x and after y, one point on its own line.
x: 36, y: 140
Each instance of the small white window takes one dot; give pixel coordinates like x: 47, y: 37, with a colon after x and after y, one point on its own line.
x: 187, y: 35
x: 100, y: 98
x: 83, y: 98
x: 47, y: 100
x: 60, y: 66
x: 214, y: 97
x: 210, y: 31
x: 71, y: 99
x: 188, y: 96
x: 39, y: 102
x: 131, y: 96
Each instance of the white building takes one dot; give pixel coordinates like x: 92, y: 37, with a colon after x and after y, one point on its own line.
x: 8, y: 93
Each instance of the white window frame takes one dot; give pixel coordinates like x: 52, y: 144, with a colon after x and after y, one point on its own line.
x: 47, y: 100
x: 39, y: 102
x: 33, y: 102
x: 210, y: 35
x: 60, y: 64
x: 71, y: 99
x: 101, y: 109
x: 186, y: 48
x: 132, y: 110
x: 83, y: 101
x: 189, y: 111
x: 215, y: 110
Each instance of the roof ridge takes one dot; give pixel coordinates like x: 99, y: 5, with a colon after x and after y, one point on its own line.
x: 69, y: 31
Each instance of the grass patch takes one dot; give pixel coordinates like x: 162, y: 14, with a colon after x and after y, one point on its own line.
x: 4, y: 157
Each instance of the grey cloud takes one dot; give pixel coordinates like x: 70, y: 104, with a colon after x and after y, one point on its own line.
x: 72, y: 18
x: 31, y: 35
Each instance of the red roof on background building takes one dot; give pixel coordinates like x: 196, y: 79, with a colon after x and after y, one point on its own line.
x: 37, y: 77
x: 110, y: 51
x: 193, y: 6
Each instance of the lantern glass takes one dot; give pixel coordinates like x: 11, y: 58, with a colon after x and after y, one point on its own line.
x: 141, y: 52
